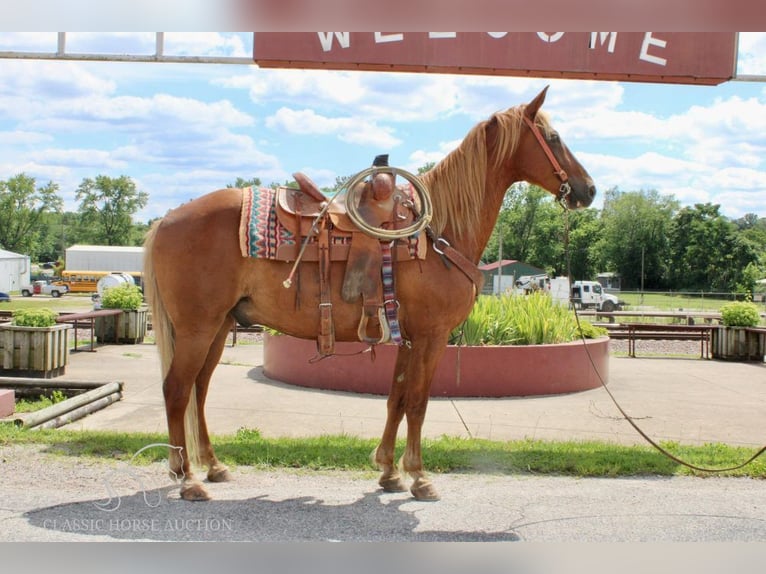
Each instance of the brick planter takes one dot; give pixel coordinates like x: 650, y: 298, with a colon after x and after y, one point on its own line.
x: 515, y: 370
x: 34, y: 351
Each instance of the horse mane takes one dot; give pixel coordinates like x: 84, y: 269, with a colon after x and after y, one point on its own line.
x: 457, y: 182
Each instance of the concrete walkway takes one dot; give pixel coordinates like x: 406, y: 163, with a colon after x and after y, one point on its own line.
x: 690, y: 401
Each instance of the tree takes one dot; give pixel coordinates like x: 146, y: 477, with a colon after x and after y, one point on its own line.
x: 107, y: 206
x: 22, y: 209
x: 584, y: 230
x: 707, y: 250
x: 242, y: 183
x: 530, y: 228
x: 634, y: 229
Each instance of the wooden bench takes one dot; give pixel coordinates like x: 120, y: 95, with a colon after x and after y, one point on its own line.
x: 633, y: 332
x: 88, y: 319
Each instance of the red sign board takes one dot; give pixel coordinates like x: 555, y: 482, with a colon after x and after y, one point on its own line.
x: 667, y: 57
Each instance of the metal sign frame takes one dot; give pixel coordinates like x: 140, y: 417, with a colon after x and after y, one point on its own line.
x: 159, y: 56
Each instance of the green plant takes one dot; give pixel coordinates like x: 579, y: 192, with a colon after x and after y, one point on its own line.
x: 28, y: 406
x: 34, y: 318
x: 534, y: 319
x: 126, y: 297
x: 740, y: 314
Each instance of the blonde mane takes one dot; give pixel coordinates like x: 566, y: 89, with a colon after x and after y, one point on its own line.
x: 457, y: 182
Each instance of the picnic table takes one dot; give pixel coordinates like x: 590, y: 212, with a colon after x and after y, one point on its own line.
x: 633, y: 332
x: 88, y: 319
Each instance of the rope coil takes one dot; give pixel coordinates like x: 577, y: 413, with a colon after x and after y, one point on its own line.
x: 352, y: 205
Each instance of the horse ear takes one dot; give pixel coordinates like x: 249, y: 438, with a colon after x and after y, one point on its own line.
x: 532, y: 107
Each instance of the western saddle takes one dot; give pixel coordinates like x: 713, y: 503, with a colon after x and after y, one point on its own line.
x: 324, y: 231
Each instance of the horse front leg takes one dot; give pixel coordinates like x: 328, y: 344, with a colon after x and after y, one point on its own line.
x: 390, y: 479
x: 409, y: 395
x: 424, y: 358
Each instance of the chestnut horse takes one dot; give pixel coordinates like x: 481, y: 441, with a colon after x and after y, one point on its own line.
x: 191, y: 324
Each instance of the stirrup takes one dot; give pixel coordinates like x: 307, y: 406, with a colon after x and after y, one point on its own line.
x: 385, y: 331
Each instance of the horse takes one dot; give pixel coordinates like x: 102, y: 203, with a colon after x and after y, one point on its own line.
x: 434, y: 294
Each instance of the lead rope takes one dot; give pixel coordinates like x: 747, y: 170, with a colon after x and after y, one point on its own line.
x: 627, y: 417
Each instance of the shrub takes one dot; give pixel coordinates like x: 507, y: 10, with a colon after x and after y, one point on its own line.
x: 740, y: 314
x: 126, y: 297
x: 534, y: 319
x: 34, y: 318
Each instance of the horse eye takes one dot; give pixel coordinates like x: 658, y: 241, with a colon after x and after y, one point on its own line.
x: 554, y: 137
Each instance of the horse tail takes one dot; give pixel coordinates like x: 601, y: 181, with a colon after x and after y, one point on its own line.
x: 164, y: 336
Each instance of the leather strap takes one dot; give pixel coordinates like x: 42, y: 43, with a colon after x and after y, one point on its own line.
x: 390, y: 302
x: 450, y: 255
x: 562, y: 175
x: 326, y: 338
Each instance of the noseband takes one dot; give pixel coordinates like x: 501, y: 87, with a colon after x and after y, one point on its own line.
x: 564, y: 189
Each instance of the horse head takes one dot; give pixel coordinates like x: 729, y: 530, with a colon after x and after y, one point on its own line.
x: 567, y: 178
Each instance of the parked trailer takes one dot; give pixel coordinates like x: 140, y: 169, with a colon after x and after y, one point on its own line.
x: 105, y: 258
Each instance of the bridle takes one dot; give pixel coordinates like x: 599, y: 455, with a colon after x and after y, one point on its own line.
x: 564, y: 189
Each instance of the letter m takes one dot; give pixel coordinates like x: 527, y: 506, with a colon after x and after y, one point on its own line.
x: 326, y: 38
x: 601, y: 38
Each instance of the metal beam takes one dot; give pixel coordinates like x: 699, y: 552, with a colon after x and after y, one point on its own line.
x: 749, y: 78
x: 159, y: 55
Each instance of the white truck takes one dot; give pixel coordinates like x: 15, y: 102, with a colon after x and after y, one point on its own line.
x: 590, y: 294
x: 528, y: 283
x: 581, y: 294
x: 44, y: 288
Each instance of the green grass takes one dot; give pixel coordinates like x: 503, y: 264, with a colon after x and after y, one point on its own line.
x: 42, y: 402
x: 674, y: 302
x: 66, y: 303
x: 446, y: 454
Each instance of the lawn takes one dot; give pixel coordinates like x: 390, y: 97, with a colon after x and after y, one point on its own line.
x: 446, y: 454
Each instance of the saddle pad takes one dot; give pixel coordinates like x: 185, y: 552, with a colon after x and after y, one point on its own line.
x: 262, y: 234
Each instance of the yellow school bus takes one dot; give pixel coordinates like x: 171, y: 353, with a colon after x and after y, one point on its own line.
x: 87, y: 281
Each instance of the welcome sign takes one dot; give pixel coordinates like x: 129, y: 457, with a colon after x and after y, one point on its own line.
x: 667, y: 57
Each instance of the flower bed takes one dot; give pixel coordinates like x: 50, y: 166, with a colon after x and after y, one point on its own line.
x: 480, y: 371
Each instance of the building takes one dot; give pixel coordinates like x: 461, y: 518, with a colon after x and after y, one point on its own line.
x: 501, y: 275
x: 14, y: 271
x: 105, y: 258
x: 609, y: 281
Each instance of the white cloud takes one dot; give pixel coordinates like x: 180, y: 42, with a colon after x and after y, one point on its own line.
x: 419, y: 158
x: 752, y: 53
x: 76, y: 158
x: 18, y: 138
x: 50, y: 81
x: 347, y: 129
x: 208, y: 44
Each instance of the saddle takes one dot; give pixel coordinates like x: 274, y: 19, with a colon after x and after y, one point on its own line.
x: 324, y: 232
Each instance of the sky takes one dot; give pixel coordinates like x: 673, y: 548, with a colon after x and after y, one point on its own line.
x: 183, y: 130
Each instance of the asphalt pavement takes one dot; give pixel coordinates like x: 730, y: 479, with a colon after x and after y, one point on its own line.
x: 690, y: 401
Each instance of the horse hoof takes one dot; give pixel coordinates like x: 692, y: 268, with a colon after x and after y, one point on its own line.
x: 393, y: 484
x: 424, y: 490
x: 220, y: 474
x: 194, y: 491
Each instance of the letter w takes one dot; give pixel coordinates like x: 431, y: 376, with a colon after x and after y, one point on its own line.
x: 326, y: 38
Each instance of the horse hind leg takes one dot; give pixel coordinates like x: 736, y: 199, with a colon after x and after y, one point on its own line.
x: 181, y: 407
x: 217, y: 471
